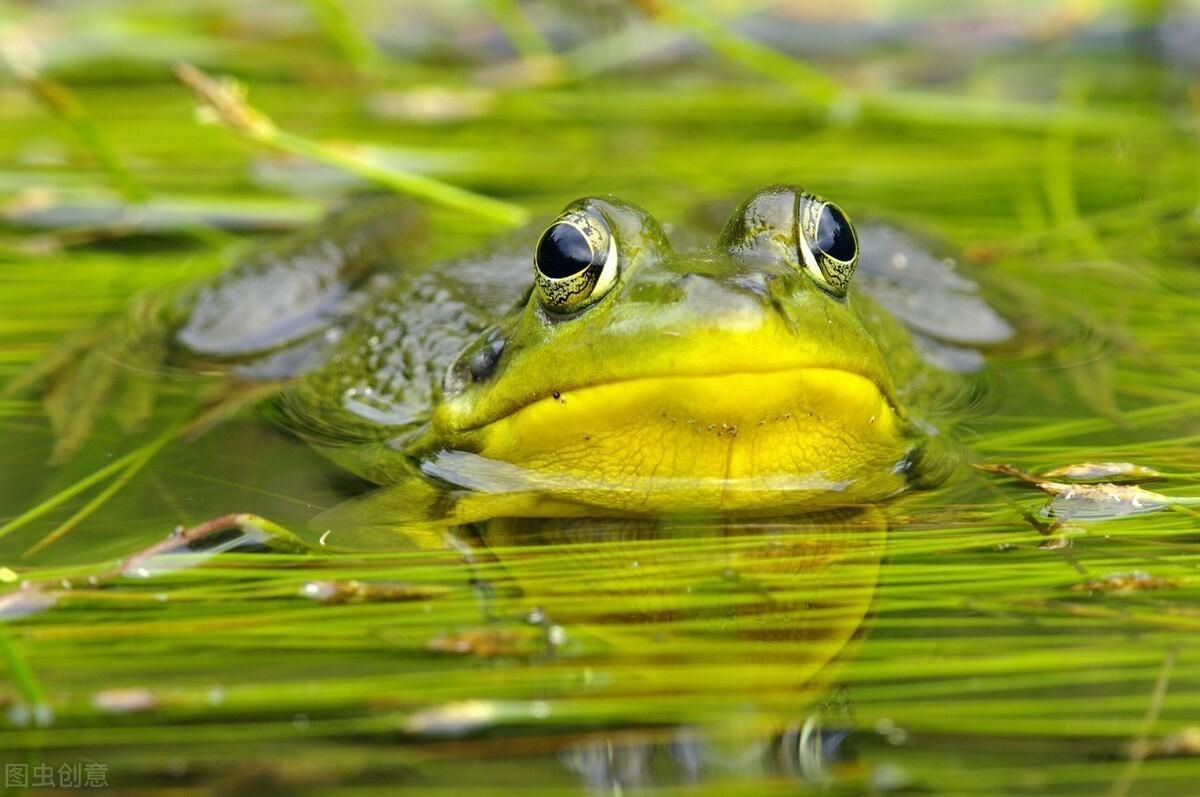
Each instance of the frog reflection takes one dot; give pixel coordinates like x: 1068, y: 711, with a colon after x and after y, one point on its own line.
x: 705, y: 642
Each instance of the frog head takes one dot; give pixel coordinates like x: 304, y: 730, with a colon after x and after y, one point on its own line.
x: 635, y: 377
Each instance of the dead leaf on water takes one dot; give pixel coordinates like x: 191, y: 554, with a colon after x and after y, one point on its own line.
x: 1105, y: 501
x: 125, y: 701
x: 1179, y: 745
x: 1080, y: 500
x: 432, y: 104
x: 466, y: 716
x: 490, y: 642
x: 354, y: 591
x: 1125, y: 582
x: 1079, y: 472
x: 1103, y: 471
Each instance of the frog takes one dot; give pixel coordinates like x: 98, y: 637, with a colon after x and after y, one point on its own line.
x: 789, y: 362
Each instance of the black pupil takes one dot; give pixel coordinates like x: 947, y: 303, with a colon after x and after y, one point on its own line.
x: 563, y: 252
x: 834, y: 236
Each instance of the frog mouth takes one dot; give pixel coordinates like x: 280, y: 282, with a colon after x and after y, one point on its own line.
x: 749, y: 396
x: 798, y: 408
x: 707, y: 440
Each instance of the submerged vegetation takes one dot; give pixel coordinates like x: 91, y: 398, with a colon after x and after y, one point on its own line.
x: 985, y: 637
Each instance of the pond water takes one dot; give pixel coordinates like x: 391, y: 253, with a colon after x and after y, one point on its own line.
x: 982, y: 637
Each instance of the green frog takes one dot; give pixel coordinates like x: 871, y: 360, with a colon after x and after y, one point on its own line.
x: 795, y: 363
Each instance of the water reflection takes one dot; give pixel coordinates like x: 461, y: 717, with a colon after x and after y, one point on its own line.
x: 712, y: 645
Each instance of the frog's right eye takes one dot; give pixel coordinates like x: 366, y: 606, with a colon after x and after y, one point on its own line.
x: 575, y: 262
x: 827, y: 242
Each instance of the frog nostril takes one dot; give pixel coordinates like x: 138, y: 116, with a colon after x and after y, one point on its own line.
x: 482, y: 363
x: 475, y: 365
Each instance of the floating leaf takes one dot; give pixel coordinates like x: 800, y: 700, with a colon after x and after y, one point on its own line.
x: 490, y: 642
x: 1105, y: 501
x: 431, y: 104
x: 1103, y: 471
x: 124, y: 701
x: 1178, y: 745
x: 354, y: 591
x: 466, y: 716
x: 1081, y: 472
x: 233, y: 532
x: 1125, y: 582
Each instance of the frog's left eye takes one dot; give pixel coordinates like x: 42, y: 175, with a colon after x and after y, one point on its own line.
x: 828, y: 244
x: 575, y: 262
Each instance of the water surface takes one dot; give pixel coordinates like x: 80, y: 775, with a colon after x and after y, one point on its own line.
x: 950, y: 642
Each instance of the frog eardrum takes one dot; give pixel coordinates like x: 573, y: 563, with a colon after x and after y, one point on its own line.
x: 827, y: 241
x: 575, y: 262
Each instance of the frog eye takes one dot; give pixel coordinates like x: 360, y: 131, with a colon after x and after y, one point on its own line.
x: 828, y: 244
x: 575, y: 262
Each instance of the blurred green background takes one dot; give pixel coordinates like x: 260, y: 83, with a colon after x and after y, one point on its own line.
x: 1050, y: 145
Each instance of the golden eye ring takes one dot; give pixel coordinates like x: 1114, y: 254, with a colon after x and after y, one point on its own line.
x: 575, y: 262
x: 827, y: 241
